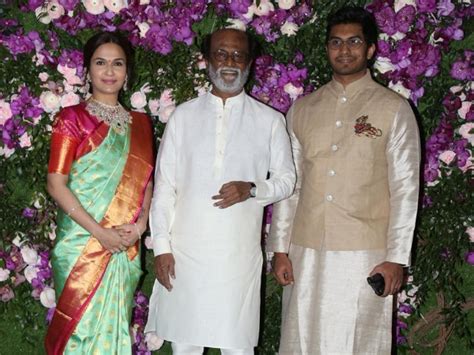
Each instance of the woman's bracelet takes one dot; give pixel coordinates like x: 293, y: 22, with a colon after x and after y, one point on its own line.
x: 138, y: 231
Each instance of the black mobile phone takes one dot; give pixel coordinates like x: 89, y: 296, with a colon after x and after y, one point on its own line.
x: 377, y: 283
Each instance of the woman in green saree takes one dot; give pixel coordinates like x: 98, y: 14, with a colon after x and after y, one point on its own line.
x: 99, y: 173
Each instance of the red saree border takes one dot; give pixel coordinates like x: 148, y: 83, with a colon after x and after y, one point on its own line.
x: 87, y: 273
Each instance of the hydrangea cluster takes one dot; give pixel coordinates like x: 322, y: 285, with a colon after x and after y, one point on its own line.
x: 451, y: 146
x: 414, y: 34
x: 277, y: 84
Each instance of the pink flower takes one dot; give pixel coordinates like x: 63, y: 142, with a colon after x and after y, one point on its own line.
x: 236, y: 24
x: 465, y: 107
x: 48, y: 297
x: 467, y: 131
x: 154, y: 105
x: 447, y: 156
x: 470, y: 232
x: 166, y: 98
x: 94, y: 7
x: 30, y: 272
x: 138, y: 100
x: 148, y: 243
x: 6, y: 293
x: 286, y: 4
x: 43, y: 76
x: 70, y: 99
x: 55, y: 10
x: 4, y: 274
x: 264, y: 8
x: 25, y: 140
x: 153, y: 342
x: 114, y: 5
x: 5, y: 111
x: 6, y: 152
x: 49, y: 101
x: 165, y: 112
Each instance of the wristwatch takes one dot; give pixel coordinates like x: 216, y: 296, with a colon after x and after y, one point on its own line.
x: 253, y: 190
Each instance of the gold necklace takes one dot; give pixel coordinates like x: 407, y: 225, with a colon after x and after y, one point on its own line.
x: 115, y: 116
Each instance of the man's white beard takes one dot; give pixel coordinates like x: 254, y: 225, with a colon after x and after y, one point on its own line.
x: 228, y: 87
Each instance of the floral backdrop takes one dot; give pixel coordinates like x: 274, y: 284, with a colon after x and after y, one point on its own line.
x: 424, y: 53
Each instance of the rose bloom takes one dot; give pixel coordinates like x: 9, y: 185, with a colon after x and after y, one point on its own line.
x: 470, y: 232
x: 6, y: 152
x: 264, y: 8
x: 94, y: 7
x: 48, y: 297
x: 49, y: 101
x: 289, y: 28
x: 236, y: 24
x: 114, y: 5
x: 465, y: 107
x: 29, y: 255
x: 400, y: 89
x: 154, y: 105
x: 286, y: 4
x: 138, y: 100
x: 293, y: 91
x: 25, y: 140
x: 30, y: 272
x: 43, y: 76
x: 467, y: 131
x: 447, y: 156
x: 153, y: 342
x: 55, y: 10
x: 165, y: 112
x: 70, y: 99
x: 6, y: 293
x: 5, y: 111
x: 4, y: 274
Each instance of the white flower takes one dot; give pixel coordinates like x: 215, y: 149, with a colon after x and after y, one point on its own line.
x: 30, y: 272
x: 29, y: 255
x: 467, y: 131
x: 153, y: 342
x: 17, y: 241
x: 250, y: 12
x: 42, y: 15
x: 236, y: 24
x: 6, y: 152
x: 138, y: 100
x: 400, y: 4
x: 397, y: 36
x: 293, y: 91
x: 115, y: 5
x: 470, y: 232
x: 43, y: 76
x: 5, y: 111
x: 149, y: 243
x: 455, y: 89
x: 464, y: 109
x: 400, y: 89
x: 286, y: 4
x: 94, y: 7
x: 49, y: 101
x: 48, y: 297
x: 154, y: 105
x: 55, y: 10
x: 25, y: 140
x: 264, y: 8
x: 289, y: 28
x: 447, y: 156
x: 383, y: 65
x: 70, y: 99
x: 143, y: 27
x: 4, y: 274
x: 144, y: 2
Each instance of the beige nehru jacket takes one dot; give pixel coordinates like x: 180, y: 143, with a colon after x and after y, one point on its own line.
x: 357, y: 156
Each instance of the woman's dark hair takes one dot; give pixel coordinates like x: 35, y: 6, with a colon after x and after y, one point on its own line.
x: 254, y: 49
x: 357, y: 15
x: 109, y: 37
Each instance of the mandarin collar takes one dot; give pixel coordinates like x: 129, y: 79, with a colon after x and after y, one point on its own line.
x: 354, y: 87
x: 229, y: 102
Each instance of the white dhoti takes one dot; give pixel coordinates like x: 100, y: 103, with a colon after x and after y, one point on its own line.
x: 331, y: 309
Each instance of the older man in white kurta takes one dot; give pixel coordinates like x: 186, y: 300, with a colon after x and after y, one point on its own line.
x: 215, y: 296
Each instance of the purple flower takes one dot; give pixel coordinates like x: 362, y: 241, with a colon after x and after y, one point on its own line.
x: 469, y: 257
x: 386, y: 20
x: 445, y: 7
x: 462, y: 70
x: 11, y: 132
x: 50, y: 314
x: 34, y: 4
x: 68, y: 4
x: 404, y: 18
x: 6, y: 293
x: 29, y: 213
x: 426, y: 5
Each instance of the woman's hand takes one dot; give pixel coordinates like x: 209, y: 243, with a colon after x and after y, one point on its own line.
x: 111, y: 240
x: 130, y: 233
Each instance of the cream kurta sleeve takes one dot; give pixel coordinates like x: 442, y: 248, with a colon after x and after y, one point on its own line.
x: 164, y: 193
x: 284, y: 211
x: 403, y: 157
x: 281, y: 182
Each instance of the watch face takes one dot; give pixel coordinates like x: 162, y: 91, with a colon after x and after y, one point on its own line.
x: 253, y: 191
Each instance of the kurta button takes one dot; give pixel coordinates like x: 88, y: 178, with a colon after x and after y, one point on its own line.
x: 331, y: 172
x: 338, y: 124
x: 334, y: 147
x: 329, y: 198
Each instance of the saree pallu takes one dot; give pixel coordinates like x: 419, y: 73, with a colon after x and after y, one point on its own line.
x: 95, y: 288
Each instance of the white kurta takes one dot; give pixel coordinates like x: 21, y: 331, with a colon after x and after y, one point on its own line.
x: 215, y: 300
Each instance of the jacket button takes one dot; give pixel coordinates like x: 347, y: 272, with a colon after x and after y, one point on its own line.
x: 329, y: 198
